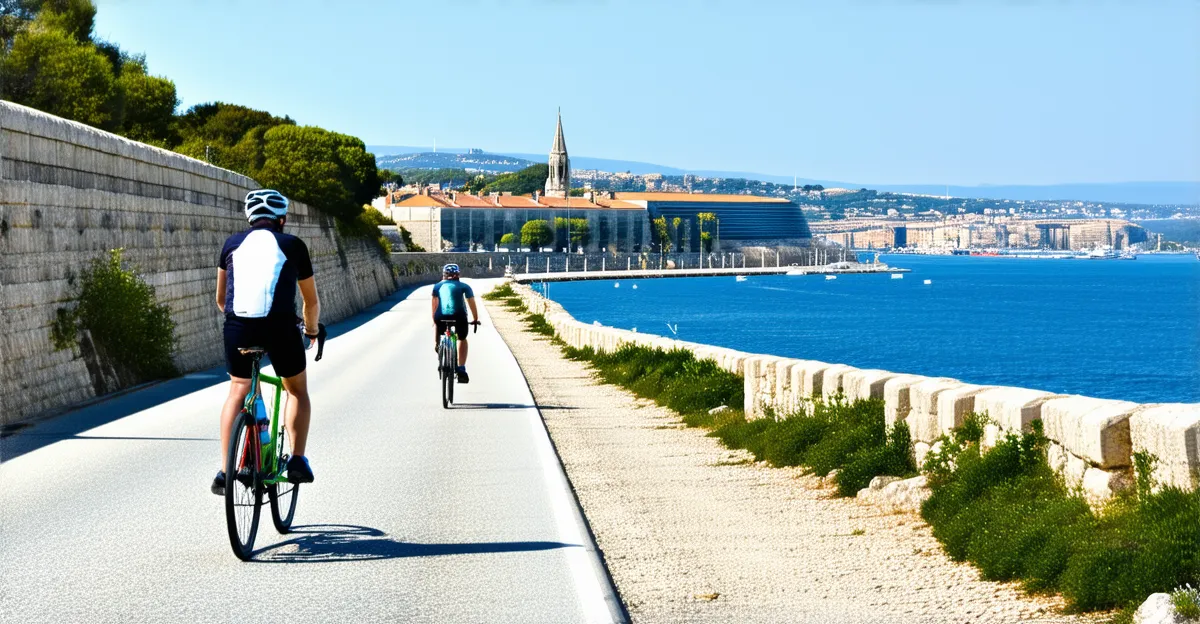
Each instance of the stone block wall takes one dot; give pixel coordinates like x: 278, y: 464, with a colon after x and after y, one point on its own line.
x: 69, y: 193
x: 1092, y: 441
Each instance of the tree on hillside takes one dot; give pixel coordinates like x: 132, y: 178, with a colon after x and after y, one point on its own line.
x: 523, y: 182
x: 329, y: 171
x: 49, y: 70
x: 74, y: 17
x: 226, y: 135
x: 150, y: 103
x: 50, y: 62
x: 535, y: 234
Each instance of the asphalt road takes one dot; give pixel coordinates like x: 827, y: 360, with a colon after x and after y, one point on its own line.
x: 417, y: 514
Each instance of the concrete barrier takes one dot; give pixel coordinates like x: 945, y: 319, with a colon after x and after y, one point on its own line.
x: 1091, y: 440
x: 896, y: 401
x: 862, y: 384
x: 1096, y: 430
x: 923, y: 423
x: 954, y: 405
x: 1009, y: 410
x: 1171, y: 432
x: 831, y: 381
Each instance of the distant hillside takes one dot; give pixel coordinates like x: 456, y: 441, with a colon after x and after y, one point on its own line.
x: 1174, y: 193
x: 475, y: 162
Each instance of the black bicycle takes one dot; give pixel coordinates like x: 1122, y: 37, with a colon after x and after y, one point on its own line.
x: 255, y: 467
x: 448, y: 359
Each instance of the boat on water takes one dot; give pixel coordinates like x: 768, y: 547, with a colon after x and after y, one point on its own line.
x: 741, y: 278
x: 830, y: 277
x: 897, y: 276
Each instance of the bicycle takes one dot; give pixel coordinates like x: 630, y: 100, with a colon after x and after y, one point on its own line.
x: 448, y: 359
x: 254, y: 468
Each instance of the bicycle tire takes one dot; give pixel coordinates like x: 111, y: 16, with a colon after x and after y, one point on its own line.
x: 243, y: 489
x: 283, y: 495
x: 447, y: 380
x: 452, y: 371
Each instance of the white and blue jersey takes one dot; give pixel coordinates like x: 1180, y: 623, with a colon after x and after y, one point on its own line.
x: 262, y: 267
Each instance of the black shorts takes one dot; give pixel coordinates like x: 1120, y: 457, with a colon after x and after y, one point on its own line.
x: 280, y: 337
x: 460, y: 326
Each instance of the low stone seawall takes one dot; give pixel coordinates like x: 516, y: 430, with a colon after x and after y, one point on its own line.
x: 69, y: 193
x: 1092, y: 440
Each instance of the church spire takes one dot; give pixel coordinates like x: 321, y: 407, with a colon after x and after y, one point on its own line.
x: 560, y: 144
x: 558, y: 183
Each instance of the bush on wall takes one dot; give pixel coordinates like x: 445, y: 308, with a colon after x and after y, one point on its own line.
x: 129, y: 329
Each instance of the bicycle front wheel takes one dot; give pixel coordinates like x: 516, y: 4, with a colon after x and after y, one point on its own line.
x: 283, y: 495
x: 243, y: 489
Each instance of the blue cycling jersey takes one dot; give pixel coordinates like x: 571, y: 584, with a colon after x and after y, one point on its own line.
x: 452, y: 297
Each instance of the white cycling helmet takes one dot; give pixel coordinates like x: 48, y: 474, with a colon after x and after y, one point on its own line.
x: 265, y: 203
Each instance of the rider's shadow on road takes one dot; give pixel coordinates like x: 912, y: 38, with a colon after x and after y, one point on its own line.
x: 321, y: 543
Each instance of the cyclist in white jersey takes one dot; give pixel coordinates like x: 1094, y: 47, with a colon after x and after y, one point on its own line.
x: 257, y: 278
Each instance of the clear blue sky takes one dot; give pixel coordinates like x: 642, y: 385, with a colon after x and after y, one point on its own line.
x: 969, y: 92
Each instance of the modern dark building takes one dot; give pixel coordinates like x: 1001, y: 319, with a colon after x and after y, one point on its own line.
x: 741, y: 220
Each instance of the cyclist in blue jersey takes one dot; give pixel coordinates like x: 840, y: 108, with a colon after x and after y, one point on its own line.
x: 257, y: 278
x: 451, y: 298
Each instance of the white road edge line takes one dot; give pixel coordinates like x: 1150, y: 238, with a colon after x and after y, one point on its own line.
x: 597, y: 596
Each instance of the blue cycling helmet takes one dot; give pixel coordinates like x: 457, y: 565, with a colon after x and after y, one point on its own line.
x: 450, y: 269
x: 266, y: 203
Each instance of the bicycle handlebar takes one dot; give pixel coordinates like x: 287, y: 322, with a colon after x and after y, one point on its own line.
x: 322, y: 334
x: 475, y: 329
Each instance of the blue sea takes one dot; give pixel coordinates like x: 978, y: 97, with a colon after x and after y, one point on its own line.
x: 1119, y: 329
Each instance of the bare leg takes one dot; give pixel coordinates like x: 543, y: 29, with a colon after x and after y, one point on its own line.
x: 238, y: 389
x: 299, y: 410
x: 462, y: 351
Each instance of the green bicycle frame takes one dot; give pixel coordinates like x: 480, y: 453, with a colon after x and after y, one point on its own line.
x: 270, y: 459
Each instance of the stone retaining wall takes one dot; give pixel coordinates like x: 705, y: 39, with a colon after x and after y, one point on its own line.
x: 1092, y: 440
x: 69, y: 193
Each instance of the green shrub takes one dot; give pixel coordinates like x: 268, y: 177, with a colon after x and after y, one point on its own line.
x: 372, y: 215
x: 1009, y: 513
x: 128, y: 327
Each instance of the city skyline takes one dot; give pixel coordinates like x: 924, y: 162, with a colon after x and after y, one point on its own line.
x: 888, y: 92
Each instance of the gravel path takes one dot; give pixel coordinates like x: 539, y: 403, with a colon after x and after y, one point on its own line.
x: 694, y: 532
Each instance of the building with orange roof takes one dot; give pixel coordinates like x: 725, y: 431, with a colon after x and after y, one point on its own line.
x: 621, y: 221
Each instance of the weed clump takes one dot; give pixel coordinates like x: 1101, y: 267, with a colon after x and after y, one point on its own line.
x: 1186, y: 600
x: 849, y: 437
x: 537, y: 324
x: 500, y: 293
x: 1010, y: 514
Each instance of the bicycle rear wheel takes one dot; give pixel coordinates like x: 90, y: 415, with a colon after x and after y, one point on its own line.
x: 452, y: 370
x: 283, y: 495
x: 243, y: 489
x: 447, y: 375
